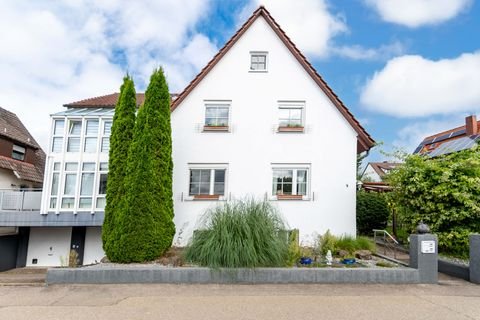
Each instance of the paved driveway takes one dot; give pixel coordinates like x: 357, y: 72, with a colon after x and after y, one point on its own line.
x: 451, y: 299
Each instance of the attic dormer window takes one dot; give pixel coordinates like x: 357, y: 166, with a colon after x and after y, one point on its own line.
x: 258, y: 61
x: 18, y: 152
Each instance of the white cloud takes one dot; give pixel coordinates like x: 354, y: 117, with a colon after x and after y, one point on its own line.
x: 357, y: 52
x: 411, y: 86
x: 309, y: 23
x: 52, y: 53
x: 415, y: 13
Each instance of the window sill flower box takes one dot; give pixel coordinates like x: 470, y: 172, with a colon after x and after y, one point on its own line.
x: 206, y: 197
x: 215, y: 128
x: 290, y: 129
x: 289, y: 197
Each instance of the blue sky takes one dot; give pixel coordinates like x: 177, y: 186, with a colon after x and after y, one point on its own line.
x: 405, y: 68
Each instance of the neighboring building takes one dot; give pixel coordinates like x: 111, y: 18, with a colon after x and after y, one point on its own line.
x: 258, y: 120
x: 22, y: 164
x: 453, y: 140
x: 376, y: 171
x: 22, y: 160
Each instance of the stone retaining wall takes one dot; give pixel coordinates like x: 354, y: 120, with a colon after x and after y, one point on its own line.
x: 103, y: 275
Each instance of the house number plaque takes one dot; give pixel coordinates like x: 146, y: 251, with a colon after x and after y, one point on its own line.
x: 428, y: 247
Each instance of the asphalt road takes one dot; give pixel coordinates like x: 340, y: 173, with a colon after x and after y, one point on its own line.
x: 451, y: 299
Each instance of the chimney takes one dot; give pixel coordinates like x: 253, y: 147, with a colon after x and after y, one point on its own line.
x: 471, y: 125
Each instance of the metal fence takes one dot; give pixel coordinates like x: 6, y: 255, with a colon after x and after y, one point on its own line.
x: 20, y: 200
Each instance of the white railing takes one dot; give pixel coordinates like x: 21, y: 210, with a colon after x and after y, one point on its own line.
x: 20, y: 200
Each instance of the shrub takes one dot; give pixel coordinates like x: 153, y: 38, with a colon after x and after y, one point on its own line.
x: 372, y: 212
x: 328, y: 242
x: 294, y: 253
x: 146, y: 216
x: 245, y: 233
x: 444, y: 193
x: 120, y: 139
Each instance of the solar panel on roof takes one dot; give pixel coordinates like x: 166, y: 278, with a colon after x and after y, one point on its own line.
x: 457, y: 133
x: 455, y: 145
x: 442, y: 137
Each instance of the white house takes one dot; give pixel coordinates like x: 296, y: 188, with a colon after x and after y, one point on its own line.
x: 376, y: 171
x: 257, y: 121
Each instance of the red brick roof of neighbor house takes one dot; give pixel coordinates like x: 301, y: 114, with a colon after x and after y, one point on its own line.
x: 364, y: 141
x: 13, y: 129
x: 433, y: 142
x: 382, y: 168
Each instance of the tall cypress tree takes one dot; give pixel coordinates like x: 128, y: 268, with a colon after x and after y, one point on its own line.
x: 147, y: 227
x: 120, y: 140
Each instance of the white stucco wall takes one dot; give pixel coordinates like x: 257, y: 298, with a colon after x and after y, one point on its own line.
x: 328, y: 144
x: 93, y: 246
x: 9, y: 181
x: 48, y: 245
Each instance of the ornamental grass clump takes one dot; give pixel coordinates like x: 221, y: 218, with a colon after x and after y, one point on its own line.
x: 246, y: 233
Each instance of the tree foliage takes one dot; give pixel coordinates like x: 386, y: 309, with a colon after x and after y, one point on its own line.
x: 146, y: 219
x: 372, y: 212
x: 444, y: 192
x: 120, y: 139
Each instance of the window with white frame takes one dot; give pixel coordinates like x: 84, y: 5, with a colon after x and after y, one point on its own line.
x: 69, y: 186
x: 258, y: 61
x: 207, y: 182
x: 290, y: 181
x: 217, y: 114
x: 86, y: 185
x: 18, y: 152
x: 107, y: 129
x: 291, y: 115
x: 57, y: 140
x: 102, y: 185
x: 91, y: 134
x: 74, y: 132
x: 55, y: 186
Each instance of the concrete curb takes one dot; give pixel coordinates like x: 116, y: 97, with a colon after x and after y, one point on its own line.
x: 454, y: 269
x: 109, y: 275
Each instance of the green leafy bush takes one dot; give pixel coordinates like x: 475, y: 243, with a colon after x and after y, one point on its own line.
x: 345, y: 242
x: 327, y: 242
x: 372, y: 212
x: 245, y: 233
x: 294, y: 252
x: 444, y: 193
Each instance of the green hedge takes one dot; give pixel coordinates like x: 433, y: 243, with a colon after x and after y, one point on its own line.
x: 372, y: 212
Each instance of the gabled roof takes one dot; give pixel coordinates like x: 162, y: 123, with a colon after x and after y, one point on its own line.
x: 365, y: 141
x: 382, y: 168
x: 12, y: 128
x: 452, y: 140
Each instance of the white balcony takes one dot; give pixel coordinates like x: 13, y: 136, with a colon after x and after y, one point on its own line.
x: 20, y: 200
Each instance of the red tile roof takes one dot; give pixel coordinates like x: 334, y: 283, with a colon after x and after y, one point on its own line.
x: 365, y: 141
x: 434, y: 141
x: 382, y: 168
x: 13, y: 129
x: 24, y: 170
x: 106, y: 101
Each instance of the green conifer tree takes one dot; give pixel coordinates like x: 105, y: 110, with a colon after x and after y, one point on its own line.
x: 147, y: 227
x: 120, y: 140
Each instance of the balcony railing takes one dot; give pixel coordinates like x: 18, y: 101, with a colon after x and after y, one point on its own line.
x: 20, y: 200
